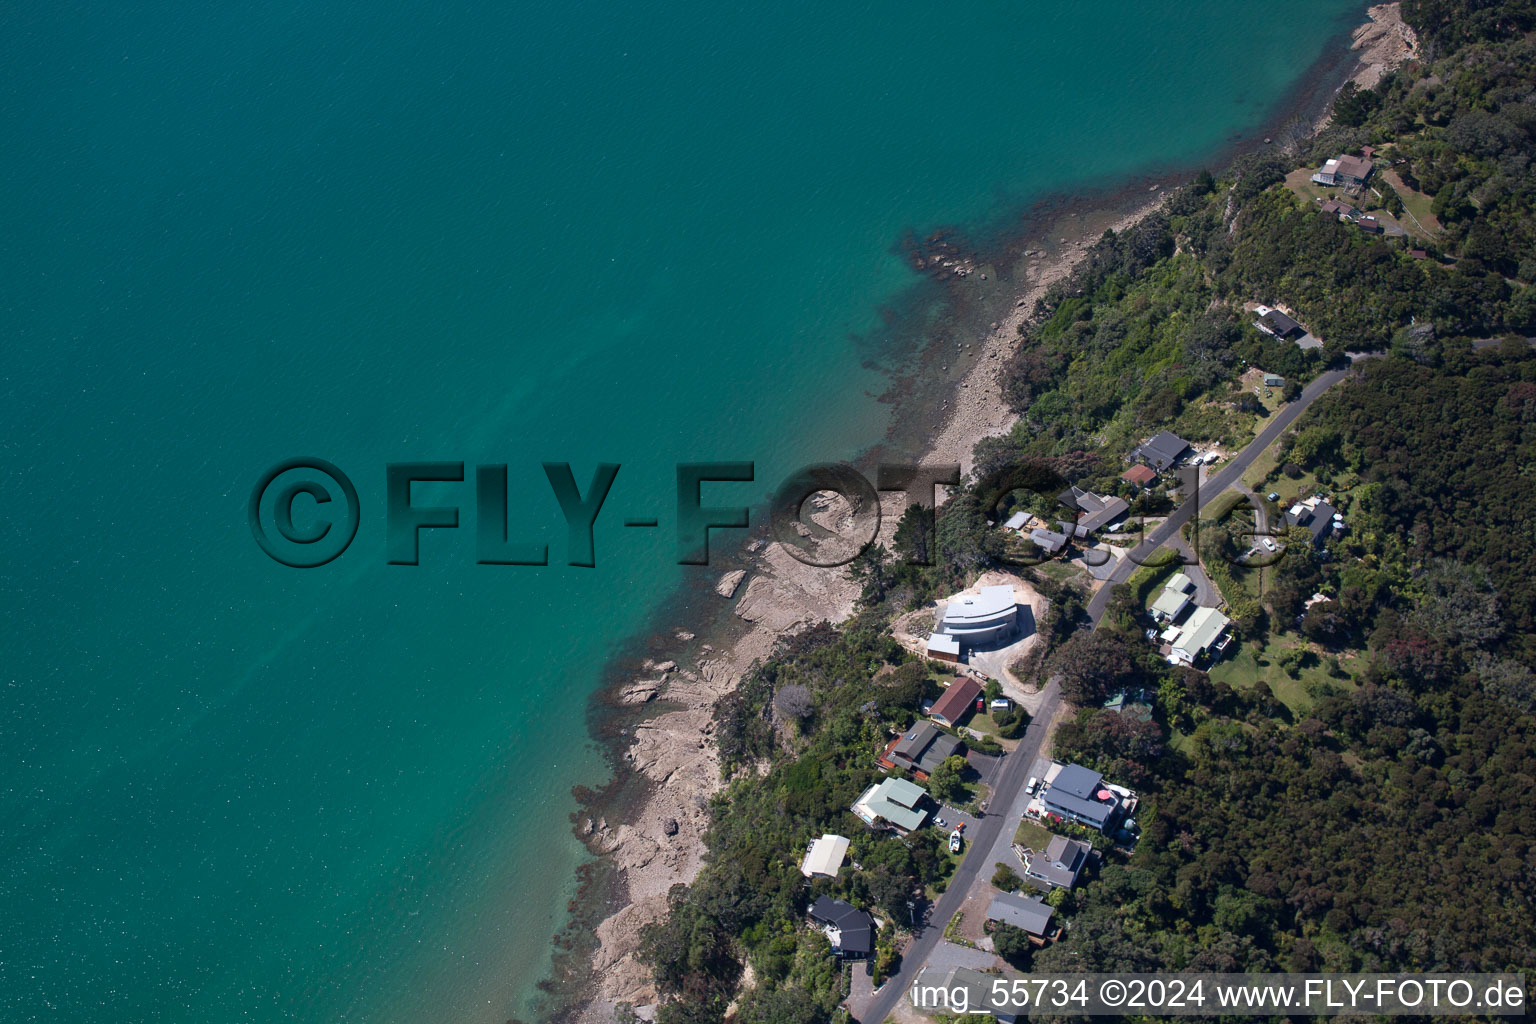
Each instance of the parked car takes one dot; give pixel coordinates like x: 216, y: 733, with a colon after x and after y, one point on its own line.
x: 941, y: 823
x: 1032, y: 785
x: 1273, y: 496
x: 1270, y: 544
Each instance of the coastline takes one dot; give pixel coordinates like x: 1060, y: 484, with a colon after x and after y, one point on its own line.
x: 646, y: 827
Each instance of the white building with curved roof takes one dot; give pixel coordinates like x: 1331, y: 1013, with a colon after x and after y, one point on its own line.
x: 982, y: 618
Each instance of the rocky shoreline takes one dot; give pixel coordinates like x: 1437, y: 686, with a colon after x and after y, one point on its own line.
x: 659, y: 841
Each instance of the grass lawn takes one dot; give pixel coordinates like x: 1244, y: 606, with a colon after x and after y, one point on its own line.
x: 1308, y: 191
x: 1417, y: 203
x: 1060, y: 571
x: 1242, y: 671
x: 1032, y: 836
x: 1261, y: 467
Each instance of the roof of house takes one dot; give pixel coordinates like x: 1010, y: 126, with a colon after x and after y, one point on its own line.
x: 1317, y: 517
x: 1337, y: 206
x: 1097, y: 510
x: 1181, y: 582
x: 1280, y: 323
x: 1025, y: 912
x: 987, y: 604
x: 1170, y: 603
x: 1354, y: 167
x: 926, y: 746
x: 895, y: 800
x: 1050, y: 540
x: 825, y: 856
x: 1274, y: 379
x: 1163, y: 449
x: 1202, y: 630
x: 958, y: 696
x: 1061, y: 861
x: 856, y: 928
x: 943, y: 643
x: 1074, y: 530
x: 1077, y: 780
x: 1016, y: 521
x: 1140, y: 475
x: 1370, y: 224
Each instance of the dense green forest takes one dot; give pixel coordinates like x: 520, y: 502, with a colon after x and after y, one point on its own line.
x: 1388, y: 820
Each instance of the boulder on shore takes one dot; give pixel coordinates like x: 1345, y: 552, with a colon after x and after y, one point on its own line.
x: 729, y: 582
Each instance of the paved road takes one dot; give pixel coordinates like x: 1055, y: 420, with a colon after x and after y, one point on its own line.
x: 984, y: 839
x: 1008, y: 798
x: 1219, y: 481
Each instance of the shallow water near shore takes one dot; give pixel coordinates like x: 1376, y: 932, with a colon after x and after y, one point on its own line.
x: 490, y: 234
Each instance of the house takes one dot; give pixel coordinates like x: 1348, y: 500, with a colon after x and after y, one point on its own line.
x: 1058, y: 866
x: 1079, y: 794
x: 1170, y: 604
x: 1321, y: 519
x: 1418, y: 254
x: 1095, y: 511
x: 943, y: 648
x: 983, y: 617
x: 1016, y: 521
x: 1162, y: 451
x: 1027, y: 912
x: 1340, y: 209
x: 894, y: 801
x: 1370, y: 225
x: 1276, y: 324
x: 1139, y: 476
x: 958, y: 699
x: 1175, y: 599
x: 1274, y: 380
x: 1048, y: 541
x: 850, y: 930
x: 1203, y: 632
x: 923, y: 748
x: 1344, y: 171
x: 825, y: 857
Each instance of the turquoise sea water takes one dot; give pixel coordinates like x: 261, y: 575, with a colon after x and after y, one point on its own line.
x: 489, y: 232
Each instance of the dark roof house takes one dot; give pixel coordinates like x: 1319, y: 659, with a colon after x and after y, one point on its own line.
x: 1048, y: 540
x: 1277, y: 323
x: 1097, y: 511
x: 1059, y: 864
x: 1320, y: 518
x: 958, y: 698
x: 851, y: 930
x: 1163, y: 450
x: 1079, y: 794
x: 1026, y: 912
x: 924, y: 747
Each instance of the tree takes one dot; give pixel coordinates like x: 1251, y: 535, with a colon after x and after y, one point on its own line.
x: 947, y: 783
x: 794, y: 701
x: 914, y: 538
x: 1013, y: 945
x: 1094, y: 664
x: 1005, y: 878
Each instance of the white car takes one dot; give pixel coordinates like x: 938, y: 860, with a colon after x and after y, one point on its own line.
x: 1270, y: 544
x: 1030, y: 786
x: 941, y: 822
